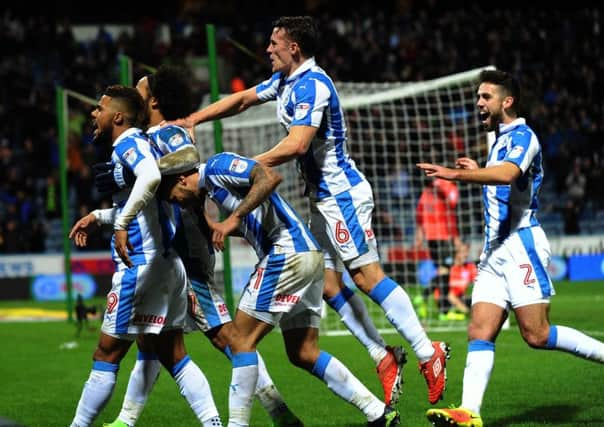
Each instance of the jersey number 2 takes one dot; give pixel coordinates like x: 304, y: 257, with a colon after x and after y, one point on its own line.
x: 527, y: 277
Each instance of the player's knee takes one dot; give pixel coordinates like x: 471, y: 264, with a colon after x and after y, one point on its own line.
x: 303, y: 357
x: 535, y: 338
x: 220, y: 336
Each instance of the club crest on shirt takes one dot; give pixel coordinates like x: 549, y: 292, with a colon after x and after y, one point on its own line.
x: 176, y: 140
x: 516, y: 152
x: 238, y: 166
x: 302, y: 110
x: 130, y: 156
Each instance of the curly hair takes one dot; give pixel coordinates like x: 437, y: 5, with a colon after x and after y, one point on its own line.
x: 170, y: 86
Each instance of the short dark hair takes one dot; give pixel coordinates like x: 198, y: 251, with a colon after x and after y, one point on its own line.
x: 508, y: 83
x: 170, y: 86
x: 302, y: 30
x: 131, y: 103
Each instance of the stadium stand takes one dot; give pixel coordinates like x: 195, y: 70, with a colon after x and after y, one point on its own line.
x: 558, y: 55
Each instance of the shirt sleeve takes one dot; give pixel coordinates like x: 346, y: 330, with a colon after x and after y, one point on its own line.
x: 173, y: 138
x: 229, y: 169
x: 524, y: 148
x: 269, y: 89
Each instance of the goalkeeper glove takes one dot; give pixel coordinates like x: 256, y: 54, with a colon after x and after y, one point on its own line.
x: 112, y: 178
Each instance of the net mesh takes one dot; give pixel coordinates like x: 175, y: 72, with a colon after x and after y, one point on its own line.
x: 391, y: 127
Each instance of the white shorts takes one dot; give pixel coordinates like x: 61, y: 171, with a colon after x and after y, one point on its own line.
x: 277, y: 289
x: 147, y: 298
x: 515, y: 273
x: 342, y: 226
x: 206, y: 307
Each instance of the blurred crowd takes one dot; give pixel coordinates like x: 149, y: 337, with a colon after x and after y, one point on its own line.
x: 556, y: 54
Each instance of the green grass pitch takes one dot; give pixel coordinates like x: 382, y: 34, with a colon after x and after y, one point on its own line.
x: 40, y: 383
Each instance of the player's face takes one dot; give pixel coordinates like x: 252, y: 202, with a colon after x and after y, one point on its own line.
x: 279, y: 49
x: 102, y: 117
x: 490, y: 106
x: 185, y: 192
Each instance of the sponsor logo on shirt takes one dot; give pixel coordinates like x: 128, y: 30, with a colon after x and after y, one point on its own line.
x: 302, y: 110
x: 516, y: 152
x: 176, y: 140
x: 130, y: 156
x: 238, y: 166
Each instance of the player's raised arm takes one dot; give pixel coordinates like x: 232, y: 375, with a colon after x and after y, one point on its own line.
x: 228, y: 106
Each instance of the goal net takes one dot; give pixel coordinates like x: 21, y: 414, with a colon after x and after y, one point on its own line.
x: 391, y: 127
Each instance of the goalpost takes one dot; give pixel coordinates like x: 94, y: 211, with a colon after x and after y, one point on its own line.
x: 391, y: 127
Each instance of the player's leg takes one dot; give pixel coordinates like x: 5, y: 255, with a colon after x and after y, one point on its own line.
x: 538, y: 333
x: 101, y: 382
x: 143, y: 376
x: 389, y: 361
x: 348, y: 218
x: 397, y: 306
x: 353, y: 313
x: 531, y: 287
x: 490, y: 298
x: 117, y: 335
x: 191, y: 381
x: 208, y: 313
x: 171, y: 351
x: 485, y: 324
x: 300, y: 334
x: 246, y: 334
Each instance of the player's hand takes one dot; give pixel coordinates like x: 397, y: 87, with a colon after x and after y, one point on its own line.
x: 222, y: 230
x: 112, y: 178
x: 122, y: 245
x: 466, y: 163
x: 79, y: 232
x: 437, y: 171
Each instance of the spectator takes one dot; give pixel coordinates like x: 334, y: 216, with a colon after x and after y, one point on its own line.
x: 575, y: 185
x: 461, y: 274
x: 436, y: 220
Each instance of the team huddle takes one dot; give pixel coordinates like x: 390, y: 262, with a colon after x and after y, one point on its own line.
x: 164, y: 242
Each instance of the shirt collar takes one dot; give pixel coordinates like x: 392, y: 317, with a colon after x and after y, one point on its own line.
x: 505, y: 128
x: 306, y: 65
x: 127, y: 133
x: 153, y: 129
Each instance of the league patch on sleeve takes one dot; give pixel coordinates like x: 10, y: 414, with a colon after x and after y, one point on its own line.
x: 176, y: 140
x: 130, y: 156
x: 302, y: 110
x: 516, y: 152
x: 238, y: 166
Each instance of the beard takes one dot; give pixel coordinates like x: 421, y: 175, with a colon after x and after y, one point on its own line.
x: 102, y: 138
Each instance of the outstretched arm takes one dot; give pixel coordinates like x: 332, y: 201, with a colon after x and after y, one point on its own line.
x: 468, y: 171
x: 228, y: 106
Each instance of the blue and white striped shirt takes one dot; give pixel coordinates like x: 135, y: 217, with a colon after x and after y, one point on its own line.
x: 193, y: 247
x: 508, y: 208
x: 274, y: 226
x: 147, y: 231
x: 309, y: 98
